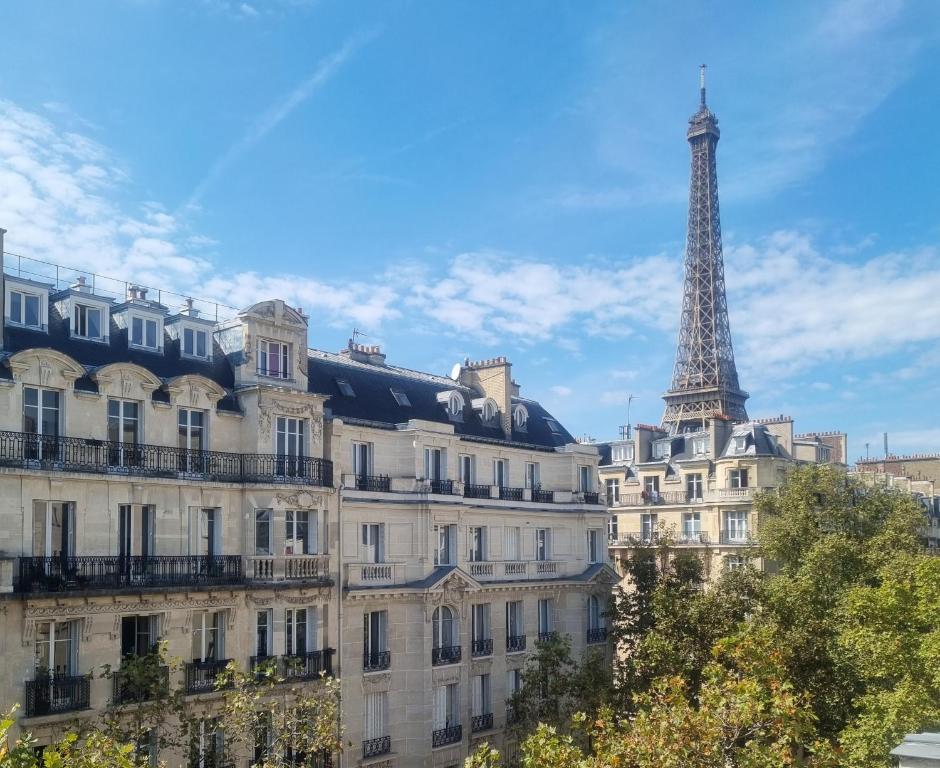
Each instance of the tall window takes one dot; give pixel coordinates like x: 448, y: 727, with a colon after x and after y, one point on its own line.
x: 501, y: 472
x: 144, y: 332
x: 373, y: 542
x: 376, y: 715
x: 481, y: 695
x: 738, y: 478
x: 477, y: 542
x: 87, y: 322
x: 546, y: 619
x: 467, y: 473
x: 289, y: 445
x: 139, y: 635
x: 300, y: 537
x: 515, y: 624
x: 594, y: 545
x: 191, y: 439
x: 649, y: 527
x: 262, y: 531
x: 613, y: 532
x: 532, y: 474
x: 595, y: 613
x: 263, y: 632
x: 123, y: 421
x: 694, y: 486
x: 136, y: 530
x: 208, y: 636
x: 445, y: 544
x: 298, y: 631
x: 480, y: 622
x: 53, y: 528
x: 435, y: 464
x: 274, y: 359
x: 57, y: 648
x: 25, y: 309
x: 691, y: 525
x: 195, y: 343
x: 651, y: 485
x: 511, y: 549
x: 41, y: 418
x: 513, y: 682
x: 543, y: 548
x: 444, y: 628
x: 207, y: 749
x: 700, y: 446
x: 210, y: 531
x: 613, y: 490
x: 736, y: 526
x: 446, y: 711
x: 374, y: 636
x: 362, y: 459
x: 585, y: 478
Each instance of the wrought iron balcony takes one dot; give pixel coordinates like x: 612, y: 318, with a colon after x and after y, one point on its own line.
x: 736, y: 536
x: 450, y: 735
x: 471, y: 491
x: 51, y: 694
x: 510, y: 494
x: 591, y: 497
x: 546, y: 637
x: 201, y: 676
x: 597, y: 635
x: 691, y: 538
x: 515, y: 643
x: 142, y: 684
x: 443, y: 487
x: 373, y: 483
x: 481, y: 647
x: 481, y: 722
x: 82, y: 454
x: 447, y: 654
x: 375, y: 661
x: 309, y: 666
x: 379, y: 746
x: 74, y: 573
x: 543, y: 497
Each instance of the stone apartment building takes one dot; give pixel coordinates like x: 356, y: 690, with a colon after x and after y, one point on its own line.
x: 695, y: 490
x: 221, y: 487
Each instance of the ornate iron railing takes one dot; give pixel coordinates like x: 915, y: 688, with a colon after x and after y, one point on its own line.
x: 510, y: 494
x: 736, y: 536
x: 379, y: 746
x: 141, y: 685
x: 374, y: 661
x: 82, y: 454
x: 373, y: 483
x: 201, y: 676
x: 444, y: 487
x: 69, y: 573
x: 471, y: 491
x: 309, y: 666
x: 591, y: 497
x: 597, y: 635
x: 448, y: 654
x: 481, y: 647
x: 450, y: 735
x: 481, y: 722
x: 51, y: 694
x: 515, y: 643
x: 546, y: 637
x: 543, y: 497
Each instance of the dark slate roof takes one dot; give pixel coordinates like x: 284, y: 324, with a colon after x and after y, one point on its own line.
x: 373, y: 402
x: 758, y: 442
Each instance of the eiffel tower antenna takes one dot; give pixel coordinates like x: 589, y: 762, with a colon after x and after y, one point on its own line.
x: 704, y: 380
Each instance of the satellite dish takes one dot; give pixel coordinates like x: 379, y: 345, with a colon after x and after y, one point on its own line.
x: 455, y: 371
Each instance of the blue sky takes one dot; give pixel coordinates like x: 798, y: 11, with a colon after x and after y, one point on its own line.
x: 477, y: 178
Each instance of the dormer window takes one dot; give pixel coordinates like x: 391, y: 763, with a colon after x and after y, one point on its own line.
x: 489, y: 412
x: 86, y: 322
x: 553, y: 426
x: 345, y: 388
x: 274, y: 359
x: 661, y: 449
x: 145, y: 332
x: 453, y: 402
x: 621, y: 453
x: 740, y: 443
x: 195, y: 343
x: 520, y: 417
x: 699, y: 446
x: 25, y: 309
x: 400, y: 397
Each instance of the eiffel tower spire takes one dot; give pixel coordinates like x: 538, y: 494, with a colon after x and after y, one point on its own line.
x: 705, y: 380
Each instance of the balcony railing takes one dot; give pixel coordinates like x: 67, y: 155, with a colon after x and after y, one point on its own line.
x: 481, y: 722
x: 51, y: 694
x: 290, y: 568
x: 443, y: 487
x: 511, y: 494
x: 635, y: 539
x: 69, y: 573
x: 471, y: 491
x: 375, y: 661
x: 597, y: 635
x: 373, y: 483
x: 374, y: 747
x: 515, y: 643
x: 736, y: 536
x: 443, y: 736
x: 651, y: 498
x: 543, y: 497
x: 82, y: 454
x: 143, y: 684
x: 301, y: 666
x: 545, y: 637
x: 447, y: 654
x: 201, y: 675
x: 481, y: 647
x: 691, y: 538
x: 591, y: 497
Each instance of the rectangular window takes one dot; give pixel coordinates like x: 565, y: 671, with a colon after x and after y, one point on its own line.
x: 501, y: 472
x: 585, y: 478
x: 613, y: 491
x: 375, y: 725
x: 263, y: 632
x: 262, y: 531
x: 700, y: 446
x: 123, y: 421
x: 300, y: 537
x: 594, y: 545
x: 53, y: 528
x: 480, y: 622
x: 694, y: 487
x: 195, y: 342
x: 477, y: 541
x: 661, y: 449
x: 481, y: 695
x: 446, y: 700
x: 651, y: 485
x: 735, y: 562
x: 57, y: 648
x: 210, y: 531
x: 136, y: 533
x: 345, y: 388
x: 512, y: 540
x: 41, y: 412
x: 401, y: 398
x: 445, y: 538
x: 375, y: 632
x: 362, y: 459
x: 738, y: 478
x: 532, y: 475
x: 192, y: 425
x: 87, y: 323
x: 144, y: 332
x: 546, y: 620
x: 543, y: 544
x: 691, y: 525
x: 435, y: 464
x: 139, y: 635
x: 515, y: 625
x: 208, y: 635
x: 299, y: 624
x: 25, y: 309
x: 612, y: 528
x: 736, y: 526
x: 273, y: 359
x: 513, y: 682
x: 467, y: 473
x: 649, y: 527
x: 373, y: 542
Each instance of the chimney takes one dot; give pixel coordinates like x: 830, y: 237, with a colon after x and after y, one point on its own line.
x: 136, y: 293
x: 81, y: 285
x: 188, y: 309
x: 370, y: 354
x: 492, y: 378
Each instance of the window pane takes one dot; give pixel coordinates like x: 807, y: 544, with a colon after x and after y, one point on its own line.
x: 188, y: 341
x: 32, y: 310
x: 94, y: 323
x: 151, y: 333
x: 201, y: 344
x: 16, y: 307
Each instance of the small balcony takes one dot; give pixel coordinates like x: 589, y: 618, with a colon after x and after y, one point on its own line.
x: 736, y: 537
x: 376, y: 661
x: 635, y: 539
x: 443, y: 736
x: 651, y: 498
x: 481, y: 722
x: 591, y: 497
x: 515, y: 643
x: 52, y: 694
x: 441, y: 487
x: 76, y: 573
x: 312, y: 665
x: 543, y: 497
x: 735, y: 494
x: 511, y: 494
x: 374, y: 574
x: 314, y: 568
x: 596, y: 635
x: 145, y: 683
x: 692, y: 538
x: 447, y: 654
x: 547, y: 637
x: 473, y: 491
x: 201, y: 676
x: 480, y: 648
x: 382, y: 483
x: 375, y: 747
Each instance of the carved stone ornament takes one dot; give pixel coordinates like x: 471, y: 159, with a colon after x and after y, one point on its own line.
x: 300, y: 500
x: 268, y: 409
x: 247, y: 355
x: 376, y: 681
x: 45, y: 372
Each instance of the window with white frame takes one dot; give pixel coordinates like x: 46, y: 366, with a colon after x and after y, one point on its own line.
x: 362, y: 459
x: 649, y: 527
x: 736, y: 562
x: 739, y: 443
x: 520, y: 417
x: 490, y: 412
x: 195, y: 343
x: 613, y: 528
x: 139, y: 635
x: 661, y: 449
x: 208, y: 635
x: 594, y: 545
x: 290, y: 446
x: 124, y: 421
x: 515, y: 621
x: 53, y: 528
x: 532, y: 475
x: 543, y: 544
x: 511, y: 545
x: 621, y: 453
x: 300, y: 629
x: 446, y: 706
x: 264, y: 625
x: 208, y: 745
x: 694, y: 486
x: 210, y: 531
x: 87, y: 322
x: 477, y: 544
x: 700, y: 446
x: 691, y: 525
x: 467, y: 464
x: 513, y: 682
x: 56, y: 648
x: 546, y: 617
x: 435, y: 464
x: 145, y: 333
x: 735, y: 526
x: 481, y: 695
x: 374, y: 635
x: 651, y: 484
x: 274, y: 359
x: 263, y: 532
x: 445, y: 544
x: 480, y: 622
x: 585, y: 478
x: 444, y: 630
x: 455, y: 405
x: 737, y: 478
x: 41, y: 416
x: 373, y: 542
x: 375, y: 706
x: 136, y: 534
x: 553, y: 426
x: 301, y: 532
x: 25, y: 309
x: 612, y: 485
x: 501, y: 472
x: 595, y: 613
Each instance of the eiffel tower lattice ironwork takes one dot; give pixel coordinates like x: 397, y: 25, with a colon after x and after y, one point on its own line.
x: 705, y: 380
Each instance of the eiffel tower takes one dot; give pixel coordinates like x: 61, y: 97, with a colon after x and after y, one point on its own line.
x: 705, y: 380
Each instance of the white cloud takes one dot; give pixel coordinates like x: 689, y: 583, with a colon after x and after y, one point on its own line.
x: 561, y: 391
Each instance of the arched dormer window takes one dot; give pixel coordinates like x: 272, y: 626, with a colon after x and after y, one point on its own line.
x: 520, y: 417
x: 453, y: 403
x: 445, y: 632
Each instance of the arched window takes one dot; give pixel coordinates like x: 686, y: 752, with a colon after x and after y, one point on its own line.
x: 489, y: 412
x: 595, y: 615
x: 444, y: 627
x: 455, y: 404
x: 520, y: 416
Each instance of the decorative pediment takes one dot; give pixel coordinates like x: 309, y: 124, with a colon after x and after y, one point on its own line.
x: 275, y: 311
x: 194, y: 391
x: 45, y: 367
x: 126, y: 380
x: 604, y: 575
